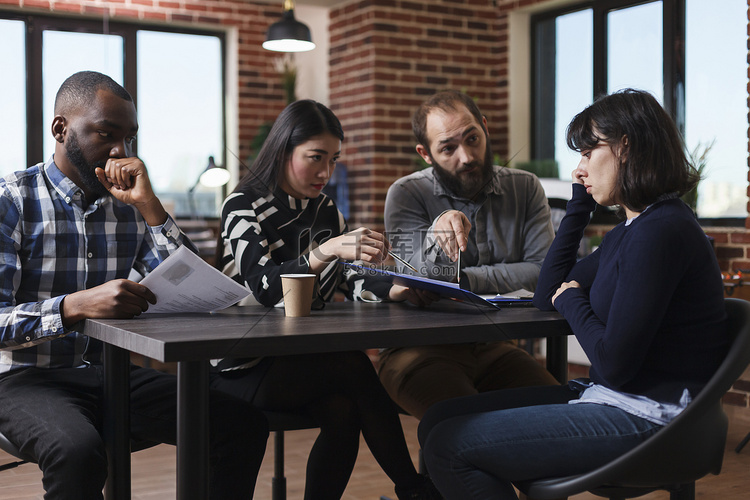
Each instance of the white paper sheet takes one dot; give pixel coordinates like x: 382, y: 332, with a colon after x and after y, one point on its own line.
x: 186, y: 283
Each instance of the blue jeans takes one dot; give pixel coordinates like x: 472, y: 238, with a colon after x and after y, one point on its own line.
x: 476, y: 447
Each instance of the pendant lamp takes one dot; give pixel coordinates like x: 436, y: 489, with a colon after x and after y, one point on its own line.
x: 288, y: 35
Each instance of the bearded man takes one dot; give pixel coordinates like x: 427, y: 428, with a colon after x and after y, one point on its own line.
x: 496, y: 218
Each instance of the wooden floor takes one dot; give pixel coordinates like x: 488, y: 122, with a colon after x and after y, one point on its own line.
x: 154, y: 471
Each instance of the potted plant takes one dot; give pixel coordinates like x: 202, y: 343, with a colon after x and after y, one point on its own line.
x: 698, y: 158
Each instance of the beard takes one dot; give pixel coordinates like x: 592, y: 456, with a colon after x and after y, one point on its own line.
x: 465, y: 186
x: 86, y: 171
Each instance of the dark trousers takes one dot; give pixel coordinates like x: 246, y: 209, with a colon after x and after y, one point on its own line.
x: 55, y: 416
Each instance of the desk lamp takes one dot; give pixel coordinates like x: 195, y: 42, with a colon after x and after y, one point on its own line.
x: 212, y: 176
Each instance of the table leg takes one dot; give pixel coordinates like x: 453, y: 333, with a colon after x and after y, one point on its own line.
x: 116, y: 427
x: 192, y: 430
x: 557, y: 358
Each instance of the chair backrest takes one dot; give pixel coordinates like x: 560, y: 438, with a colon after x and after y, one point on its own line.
x: 557, y: 207
x: 689, y: 447
x: 279, y: 421
x: 692, y: 445
x: 338, y: 189
x: 736, y: 360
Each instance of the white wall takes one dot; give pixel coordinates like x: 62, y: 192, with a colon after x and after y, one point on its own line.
x: 312, y: 66
x: 519, y: 86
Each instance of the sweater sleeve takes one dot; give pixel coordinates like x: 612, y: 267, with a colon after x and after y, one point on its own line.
x: 561, y: 258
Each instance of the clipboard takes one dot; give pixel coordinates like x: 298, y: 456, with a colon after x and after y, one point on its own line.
x: 442, y: 288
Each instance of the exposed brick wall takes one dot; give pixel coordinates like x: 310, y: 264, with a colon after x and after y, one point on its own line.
x: 386, y: 57
x: 732, y: 247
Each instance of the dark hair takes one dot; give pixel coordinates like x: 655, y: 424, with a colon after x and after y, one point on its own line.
x: 80, y: 89
x: 446, y: 100
x: 649, y: 147
x: 297, y: 123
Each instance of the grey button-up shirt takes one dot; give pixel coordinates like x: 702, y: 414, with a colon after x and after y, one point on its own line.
x: 510, y: 229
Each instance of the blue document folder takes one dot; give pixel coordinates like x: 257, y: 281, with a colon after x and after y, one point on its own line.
x: 442, y: 288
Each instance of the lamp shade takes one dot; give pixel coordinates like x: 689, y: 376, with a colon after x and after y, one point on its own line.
x: 288, y: 35
x: 214, y: 175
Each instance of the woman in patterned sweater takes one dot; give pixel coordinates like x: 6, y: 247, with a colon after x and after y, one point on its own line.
x: 278, y: 221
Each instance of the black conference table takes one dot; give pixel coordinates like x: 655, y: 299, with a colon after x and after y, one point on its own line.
x: 192, y: 340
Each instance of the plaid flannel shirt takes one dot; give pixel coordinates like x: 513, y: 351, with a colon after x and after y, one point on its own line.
x: 51, y: 244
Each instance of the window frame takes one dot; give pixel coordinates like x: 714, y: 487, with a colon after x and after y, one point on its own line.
x: 37, y: 24
x: 673, y: 33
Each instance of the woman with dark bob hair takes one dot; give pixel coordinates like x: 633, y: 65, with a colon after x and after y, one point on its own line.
x: 278, y: 221
x: 647, y: 307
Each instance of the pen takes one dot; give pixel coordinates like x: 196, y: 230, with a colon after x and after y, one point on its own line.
x: 458, y: 269
x: 403, y: 261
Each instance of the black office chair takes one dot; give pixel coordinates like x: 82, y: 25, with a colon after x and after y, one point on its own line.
x: 685, y: 450
x: 11, y: 449
x: 742, y: 443
x: 557, y: 208
x: 278, y: 423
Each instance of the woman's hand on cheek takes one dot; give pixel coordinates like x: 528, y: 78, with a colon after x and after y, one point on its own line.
x: 563, y: 287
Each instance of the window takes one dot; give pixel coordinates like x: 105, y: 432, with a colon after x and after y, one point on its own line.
x: 716, y: 102
x: 566, y: 70
x: 65, y: 53
x: 635, y: 55
x: 679, y: 50
x: 13, y: 96
x: 180, y: 115
x: 176, y: 80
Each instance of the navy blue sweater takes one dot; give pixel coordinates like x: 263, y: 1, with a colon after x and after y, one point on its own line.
x: 650, y: 314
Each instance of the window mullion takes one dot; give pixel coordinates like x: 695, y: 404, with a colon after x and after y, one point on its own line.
x: 544, y: 78
x: 34, y: 112
x: 674, y: 60
x: 130, y: 71
x: 600, y: 50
